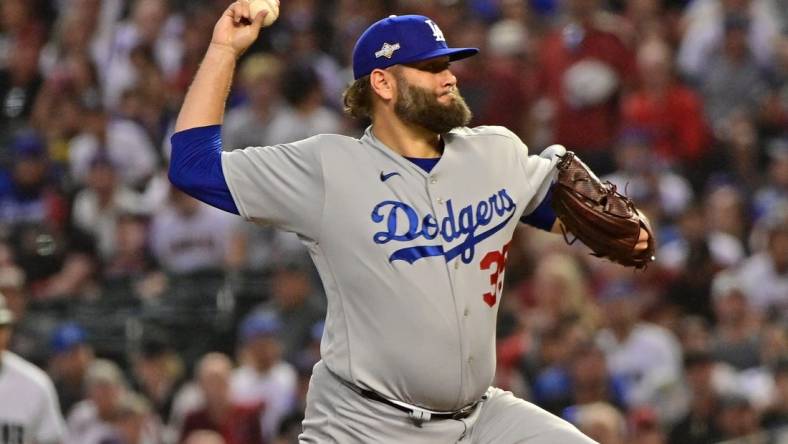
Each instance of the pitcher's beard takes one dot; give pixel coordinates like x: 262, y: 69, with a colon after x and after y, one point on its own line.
x: 421, y: 107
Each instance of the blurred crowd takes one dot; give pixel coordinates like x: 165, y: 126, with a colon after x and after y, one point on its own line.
x: 163, y: 320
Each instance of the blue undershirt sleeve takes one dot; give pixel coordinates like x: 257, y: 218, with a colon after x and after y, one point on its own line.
x: 196, y: 166
x: 543, y: 217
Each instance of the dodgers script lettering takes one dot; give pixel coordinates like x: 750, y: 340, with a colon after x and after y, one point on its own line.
x: 472, y: 224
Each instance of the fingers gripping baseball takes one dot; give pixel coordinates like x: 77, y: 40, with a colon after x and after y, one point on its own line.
x: 237, y: 29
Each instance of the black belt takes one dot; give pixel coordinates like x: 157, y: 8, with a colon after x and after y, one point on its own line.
x: 417, y: 414
x: 420, y: 414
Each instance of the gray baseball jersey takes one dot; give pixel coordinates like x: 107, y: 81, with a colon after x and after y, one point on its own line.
x: 412, y: 262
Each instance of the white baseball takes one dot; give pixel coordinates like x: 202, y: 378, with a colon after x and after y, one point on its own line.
x: 272, y: 6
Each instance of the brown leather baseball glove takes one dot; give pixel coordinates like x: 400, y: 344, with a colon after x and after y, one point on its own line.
x: 601, y: 217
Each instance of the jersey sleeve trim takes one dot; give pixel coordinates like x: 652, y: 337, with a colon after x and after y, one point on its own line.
x: 543, y: 216
x: 196, y: 167
x: 242, y: 210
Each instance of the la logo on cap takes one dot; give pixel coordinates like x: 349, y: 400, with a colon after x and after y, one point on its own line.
x: 435, y: 31
x: 387, y: 50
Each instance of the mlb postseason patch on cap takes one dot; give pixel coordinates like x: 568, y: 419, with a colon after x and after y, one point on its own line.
x: 402, y: 39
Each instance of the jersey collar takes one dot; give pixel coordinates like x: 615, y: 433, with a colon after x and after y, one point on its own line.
x: 370, y: 139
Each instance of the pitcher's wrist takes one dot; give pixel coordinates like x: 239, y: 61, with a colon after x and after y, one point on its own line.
x: 223, y: 50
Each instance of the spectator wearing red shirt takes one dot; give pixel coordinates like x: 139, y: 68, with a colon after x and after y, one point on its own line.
x: 236, y: 424
x: 585, y: 67
x: 503, y: 83
x: 669, y: 111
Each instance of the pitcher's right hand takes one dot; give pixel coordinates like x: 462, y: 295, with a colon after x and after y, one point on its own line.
x: 237, y: 29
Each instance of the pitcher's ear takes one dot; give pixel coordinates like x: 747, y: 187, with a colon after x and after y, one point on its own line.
x: 383, y: 83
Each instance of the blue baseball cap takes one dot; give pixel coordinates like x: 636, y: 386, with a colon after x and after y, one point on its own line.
x: 28, y: 144
x: 263, y: 323
x: 67, y: 336
x: 402, y: 39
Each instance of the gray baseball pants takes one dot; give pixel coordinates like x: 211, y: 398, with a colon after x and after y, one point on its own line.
x: 337, y: 414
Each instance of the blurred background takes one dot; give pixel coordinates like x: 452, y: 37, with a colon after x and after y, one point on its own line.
x: 154, y: 313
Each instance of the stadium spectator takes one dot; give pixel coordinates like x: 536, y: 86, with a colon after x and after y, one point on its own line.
x: 189, y: 236
x: 296, y: 303
x: 502, y: 83
x: 263, y: 378
x: 304, y: 113
x: 27, y: 194
x: 764, y: 275
x: 561, y: 291
x: 601, y: 422
x: 205, y: 437
x: 249, y: 124
x: 705, y: 26
x: 158, y: 372
x: 774, y: 192
x: 552, y: 385
x: 737, y: 419
x: 260, y: 249
x: 645, y: 428
x: 584, y: 68
x: 96, y: 207
x: 591, y: 381
x: 133, y: 422
x: 71, y: 358
x: 20, y: 81
x: 132, y: 269
x: 732, y: 81
x: 698, y: 426
x: 152, y: 24
x: 776, y: 415
x: 736, y: 334
x: 121, y: 140
x: 235, y: 423
x: 644, y: 177
x: 647, y: 357
x: 669, y: 111
x: 89, y: 421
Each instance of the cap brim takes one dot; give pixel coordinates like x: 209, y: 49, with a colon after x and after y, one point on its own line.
x: 6, y: 317
x: 453, y: 53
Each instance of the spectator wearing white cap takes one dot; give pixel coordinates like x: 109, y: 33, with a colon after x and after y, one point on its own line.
x: 34, y: 414
x: 89, y: 420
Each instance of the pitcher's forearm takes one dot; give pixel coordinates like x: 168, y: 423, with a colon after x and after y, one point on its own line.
x: 205, y: 101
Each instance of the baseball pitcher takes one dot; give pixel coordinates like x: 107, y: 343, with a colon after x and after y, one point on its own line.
x: 409, y: 227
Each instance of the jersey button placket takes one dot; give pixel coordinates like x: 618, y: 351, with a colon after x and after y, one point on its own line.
x: 432, y: 180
